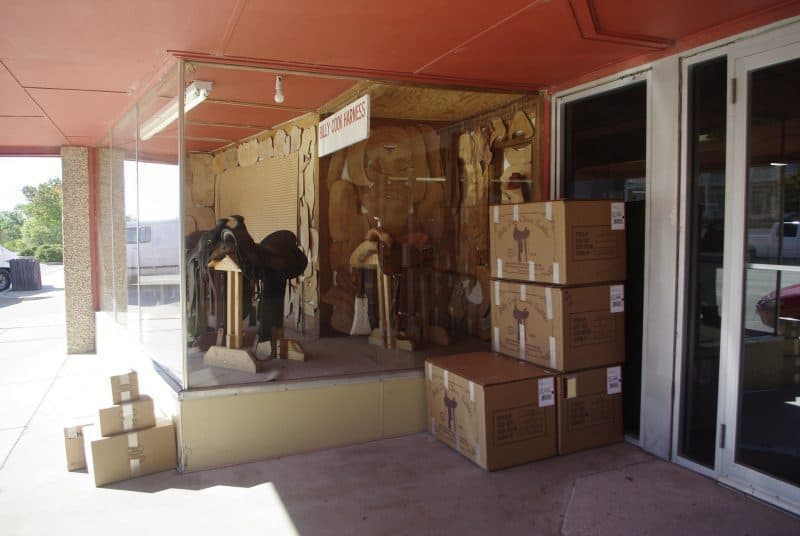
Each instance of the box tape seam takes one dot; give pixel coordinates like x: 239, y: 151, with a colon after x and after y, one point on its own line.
x: 556, y: 273
x: 548, y: 211
x: 446, y: 377
x: 515, y: 214
x: 472, y: 391
x: 548, y: 298
x: 496, y: 214
x: 499, y: 267
x: 523, y: 351
x: 523, y: 293
x: 133, y: 446
x: 552, y: 352
x: 531, y: 270
x: 127, y: 417
x: 497, y: 293
x: 496, y: 338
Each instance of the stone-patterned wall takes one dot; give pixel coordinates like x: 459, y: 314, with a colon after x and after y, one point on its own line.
x: 77, y: 252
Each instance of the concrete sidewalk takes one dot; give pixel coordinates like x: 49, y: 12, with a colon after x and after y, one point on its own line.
x: 408, y: 485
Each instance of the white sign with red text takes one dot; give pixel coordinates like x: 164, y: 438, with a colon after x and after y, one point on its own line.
x: 344, y: 128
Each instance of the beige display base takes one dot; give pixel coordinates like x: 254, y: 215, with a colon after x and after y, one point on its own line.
x: 220, y: 428
x: 231, y: 358
x: 287, y: 349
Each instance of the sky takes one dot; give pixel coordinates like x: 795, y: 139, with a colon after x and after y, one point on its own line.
x: 158, y: 184
x: 16, y: 172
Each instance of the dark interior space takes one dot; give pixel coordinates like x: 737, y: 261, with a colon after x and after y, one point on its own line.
x: 605, y: 152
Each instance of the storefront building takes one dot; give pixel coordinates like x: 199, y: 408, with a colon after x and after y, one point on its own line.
x: 698, y: 137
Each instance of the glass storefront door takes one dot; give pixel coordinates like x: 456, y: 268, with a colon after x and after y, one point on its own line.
x: 760, y: 441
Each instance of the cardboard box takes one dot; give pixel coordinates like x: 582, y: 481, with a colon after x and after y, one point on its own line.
x: 125, y: 456
x: 558, y: 242
x: 562, y: 328
x: 73, y: 444
x: 125, y: 387
x: 127, y: 417
x: 589, y: 409
x: 495, y: 411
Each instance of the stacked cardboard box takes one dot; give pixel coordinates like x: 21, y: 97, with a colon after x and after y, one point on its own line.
x: 495, y: 411
x: 558, y: 272
x: 126, y: 440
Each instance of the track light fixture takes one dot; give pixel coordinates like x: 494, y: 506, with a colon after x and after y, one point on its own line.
x: 279, y: 98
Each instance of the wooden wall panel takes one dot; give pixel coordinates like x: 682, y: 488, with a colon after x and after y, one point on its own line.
x: 264, y: 193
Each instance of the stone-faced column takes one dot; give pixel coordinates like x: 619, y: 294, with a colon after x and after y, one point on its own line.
x: 77, y: 250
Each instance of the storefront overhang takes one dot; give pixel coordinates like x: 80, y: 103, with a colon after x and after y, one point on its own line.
x: 69, y: 71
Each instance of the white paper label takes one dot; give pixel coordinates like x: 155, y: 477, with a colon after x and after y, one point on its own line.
x: 617, y: 298
x: 614, y: 380
x: 446, y: 377
x: 547, y: 392
x: 617, y: 216
x: 471, y: 392
x: 531, y: 271
x: 496, y: 212
x: 496, y: 339
x: 497, y: 293
x: 500, y: 268
x: 523, y: 351
x: 523, y: 293
x: 344, y: 128
x: 548, y: 299
x: 515, y: 212
x: 556, y: 273
x: 552, y: 352
x: 548, y: 211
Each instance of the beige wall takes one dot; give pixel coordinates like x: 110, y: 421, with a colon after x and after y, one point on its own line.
x: 237, y: 428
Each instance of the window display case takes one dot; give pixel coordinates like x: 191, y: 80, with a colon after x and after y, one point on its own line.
x: 245, y: 262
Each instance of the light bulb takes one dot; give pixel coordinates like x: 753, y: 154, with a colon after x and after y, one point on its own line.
x: 279, y: 98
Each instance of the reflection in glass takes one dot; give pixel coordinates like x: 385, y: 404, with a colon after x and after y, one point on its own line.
x: 605, y: 145
x: 768, y: 435
x: 157, y: 230
x: 605, y: 157
x: 705, y: 238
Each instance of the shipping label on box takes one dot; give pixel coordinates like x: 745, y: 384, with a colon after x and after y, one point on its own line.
x: 559, y: 328
x: 127, y: 417
x: 125, y: 387
x: 558, y: 242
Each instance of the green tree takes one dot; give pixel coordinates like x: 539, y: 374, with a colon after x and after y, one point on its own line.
x: 37, y: 222
x: 43, y: 211
x: 11, y: 229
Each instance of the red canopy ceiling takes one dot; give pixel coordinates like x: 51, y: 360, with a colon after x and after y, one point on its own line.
x: 68, y: 70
